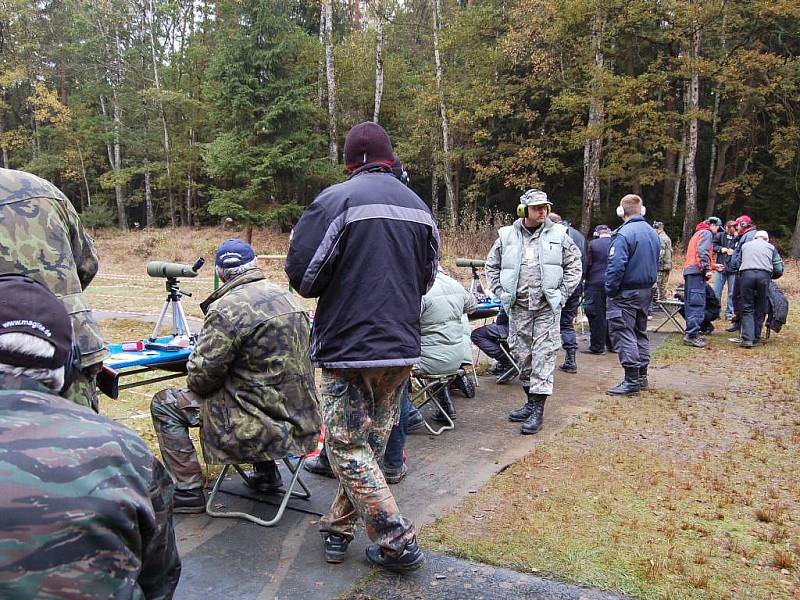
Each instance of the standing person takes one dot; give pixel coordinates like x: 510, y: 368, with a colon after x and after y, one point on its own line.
x: 368, y: 249
x: 664, y: 261
x: 250, y: 384
x: 86, y: 508
x: 747, y: 231
x: 632, y: 270
x: 760, y: 263
x: 569, y: 340
x: 699, y: 263
x: 595, y: 293
x: 534, y: 267
x: 724, y: 245
x: 42, y: 237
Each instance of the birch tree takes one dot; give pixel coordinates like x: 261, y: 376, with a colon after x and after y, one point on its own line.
x: 692, y: 105
x: 451, y: 206
x: 333, y: 149
x: 379, y: 17
x: 594, y: 134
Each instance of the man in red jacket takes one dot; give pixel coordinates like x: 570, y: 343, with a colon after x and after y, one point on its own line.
x: 698, y: 263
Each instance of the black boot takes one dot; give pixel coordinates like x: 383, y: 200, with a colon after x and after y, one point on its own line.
x: 265, y: 477
x: 643, y: 383
x: 569, y: 366
x: 188, y: 501
x: 630, y: 384
x: 446, y: 402
x: 534, y: 423
x: 320, y: 465
x: 522, y: 413
x: 410, y: 559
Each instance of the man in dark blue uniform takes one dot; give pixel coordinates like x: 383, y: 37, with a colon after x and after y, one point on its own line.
x: 595, y: 292
x: 632, y: 270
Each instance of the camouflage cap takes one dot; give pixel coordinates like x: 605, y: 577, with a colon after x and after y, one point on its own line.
x: 534, y: 197
x: 27, y: 306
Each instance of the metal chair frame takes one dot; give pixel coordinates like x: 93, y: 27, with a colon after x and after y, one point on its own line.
x: 290, y: 493
x: 510, y: 358
x: 430, y: 385
x: 671, y: 308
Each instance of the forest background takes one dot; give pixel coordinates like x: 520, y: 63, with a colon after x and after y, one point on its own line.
x: 186, y: 112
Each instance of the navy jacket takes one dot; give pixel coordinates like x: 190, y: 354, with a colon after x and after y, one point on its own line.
x: 723, y: 240
x: 633, y: 257
x: 368, y: 249
x: 580, y: 242
x: 598, y: 261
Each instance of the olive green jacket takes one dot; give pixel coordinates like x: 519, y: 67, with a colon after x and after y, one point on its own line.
x: 251, y: 368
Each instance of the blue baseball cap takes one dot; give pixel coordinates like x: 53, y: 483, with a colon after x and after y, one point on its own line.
x: 234, y: 253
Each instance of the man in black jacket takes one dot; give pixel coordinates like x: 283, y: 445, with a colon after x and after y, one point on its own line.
x: 595, y: 293
x: 368, y: 249
x: 569, y: 340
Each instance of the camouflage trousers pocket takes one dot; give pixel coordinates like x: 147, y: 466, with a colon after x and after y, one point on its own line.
x: 335, y: 405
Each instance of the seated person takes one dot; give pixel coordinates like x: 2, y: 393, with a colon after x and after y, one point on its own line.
x: 251, y: 384
x: 488, y: 338
x: 86, y: 507
x: 712, y: 310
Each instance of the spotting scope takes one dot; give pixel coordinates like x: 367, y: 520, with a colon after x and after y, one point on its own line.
x: 170, y: 270
x: 470, y: 262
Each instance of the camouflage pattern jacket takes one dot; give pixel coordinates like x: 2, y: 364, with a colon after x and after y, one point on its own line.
x: 85, y: 508
x: 251, y: 368
x: 41, y: 236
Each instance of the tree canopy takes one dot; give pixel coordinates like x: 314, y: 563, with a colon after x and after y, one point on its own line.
x: 167, y: 112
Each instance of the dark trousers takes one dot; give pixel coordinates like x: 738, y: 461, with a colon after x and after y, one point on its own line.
x: 755, y: 302
x: 627, y: 326
x: 594, y: 300
x: 567, y: 323
x: 487, y: 339
x: 694, y: 286
x: 393, y: 455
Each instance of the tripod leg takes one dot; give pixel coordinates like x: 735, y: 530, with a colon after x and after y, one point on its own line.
x: 184, y: 322
x: 160, y: 320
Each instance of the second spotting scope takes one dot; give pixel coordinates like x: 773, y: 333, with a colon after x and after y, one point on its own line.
x: 470, y: 262
x: 169, y: 270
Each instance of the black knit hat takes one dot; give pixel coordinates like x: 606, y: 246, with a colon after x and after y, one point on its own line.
x: 27, y: 306
x: 367, y: 143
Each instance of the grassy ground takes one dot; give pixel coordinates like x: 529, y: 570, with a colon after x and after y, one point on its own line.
x: 688, y: 491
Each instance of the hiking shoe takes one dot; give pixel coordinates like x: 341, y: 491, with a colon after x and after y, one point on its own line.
x: 735, y: 340
x: 464, y: 384
x: 410, y: 559
x: 188, y: 501
x: 590, y: 351
x: 747, y: 344
x: 320, y: 465
x: 415, y: 420
x: 733, y: 328
x: 395, y: 475
x: 695, y: 342
x: 265, y: 478
x: 335, y: 547
x: 506, y: 376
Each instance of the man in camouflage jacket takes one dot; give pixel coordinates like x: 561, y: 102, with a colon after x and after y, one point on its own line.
x: 251, y: 384
x: 41, y: 236
x: 85, y: 508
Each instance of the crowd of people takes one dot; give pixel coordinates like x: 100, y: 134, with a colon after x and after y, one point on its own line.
x: 84, y: 502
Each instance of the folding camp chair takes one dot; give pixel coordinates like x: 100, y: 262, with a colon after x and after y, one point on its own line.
x: 288, y: 494
x: 514, y: 370
x: 429, y: 386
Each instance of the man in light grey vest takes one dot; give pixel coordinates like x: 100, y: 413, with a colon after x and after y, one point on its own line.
x: 533, y: 268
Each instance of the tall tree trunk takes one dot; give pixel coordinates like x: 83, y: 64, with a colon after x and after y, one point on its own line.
x: 3, y: 149
x: 378, y: 60
x: 122, y: 218
x: 676, y: 191
x: 712, y: 166
x: 435, y: 193
x: 691, y: 150
x: 189, y: 211
x: 594, y: 136
x: 451, y: 205
x: 796, y: 234
x: 85, y: 179
x: 149, y: 213
x: 165, y: 130
x: 717, y: 175
x: 333, y: 149
x: 321, y: 66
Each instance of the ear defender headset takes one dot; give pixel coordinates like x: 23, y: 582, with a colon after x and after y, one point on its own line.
x: 72, y: 366
x: 621, y: 211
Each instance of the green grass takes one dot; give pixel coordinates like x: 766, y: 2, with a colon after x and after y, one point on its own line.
x: 674, y: 494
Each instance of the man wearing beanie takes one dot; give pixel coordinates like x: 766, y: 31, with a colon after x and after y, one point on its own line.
x: 86, y: 508
x: 251, y: 385
x: 368, y: 249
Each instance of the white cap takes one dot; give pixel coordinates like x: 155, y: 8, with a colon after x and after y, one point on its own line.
x: 762, y: 234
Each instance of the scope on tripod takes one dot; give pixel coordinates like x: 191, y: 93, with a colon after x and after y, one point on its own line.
x: 170, y: 270
x: 470, y: 262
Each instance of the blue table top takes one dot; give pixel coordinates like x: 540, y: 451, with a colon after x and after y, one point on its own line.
x: 493, y: 303
x: 120, y: 359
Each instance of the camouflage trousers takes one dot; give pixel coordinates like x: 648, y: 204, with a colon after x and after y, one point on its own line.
x: 83, y: 390
x: 174, y: 411
x: 534, y: 337
x: 359, y: 407
x: 661, y: 285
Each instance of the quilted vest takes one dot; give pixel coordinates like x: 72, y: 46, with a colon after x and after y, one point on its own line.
x: 551, y: 243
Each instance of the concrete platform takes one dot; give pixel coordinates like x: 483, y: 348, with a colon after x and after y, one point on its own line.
x: 227, y: 558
